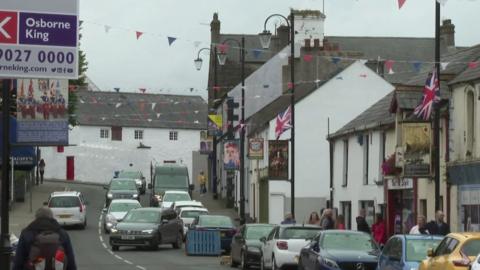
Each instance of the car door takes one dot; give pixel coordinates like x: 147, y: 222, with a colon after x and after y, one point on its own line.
x: 165, y: 229
x: 172, y: 225
x: 310, y: 255
x: 267, y: 249
x: 237, y: 243
x: 391, y: 257
x: 441, y: 254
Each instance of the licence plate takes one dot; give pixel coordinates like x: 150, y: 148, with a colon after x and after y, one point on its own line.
x: 64, y: 216
x: 128, y: 237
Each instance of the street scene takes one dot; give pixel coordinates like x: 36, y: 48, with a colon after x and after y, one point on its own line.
x: 309, y: 135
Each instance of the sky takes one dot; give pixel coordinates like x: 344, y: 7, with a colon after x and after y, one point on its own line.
x: 117, y: 59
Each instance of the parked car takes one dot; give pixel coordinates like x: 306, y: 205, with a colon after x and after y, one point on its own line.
x: 246, y: 248
x: 178, y: 205
x: 171, y: 196
x: 476, y: 264
x: 137, y: 176
x: 223, y: 224
x: 405, y: 252
x: 455, y: 251
x: 188, y: 214
x: 168, y: 177
x: 117, y: 211
x: 147, y: 227
x: 121, y: 188
x: 68, y: 207
x: 281, y: 248
x: 340, y: 249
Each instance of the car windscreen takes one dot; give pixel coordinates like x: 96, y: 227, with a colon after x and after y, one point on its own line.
x: 471, y: 247
x: 216, y: 221
x: 64, y: 202
x: 192, y: 213
x: 299, y: 232
x: 173, y: 197
x: 416, y: 249
x: 142, y: 217
x: 129, y: 175
x: 123, y: 206
x: 257, y: 232
x: 171, y: 180
x: 348, y: 241
x: 123, y: 185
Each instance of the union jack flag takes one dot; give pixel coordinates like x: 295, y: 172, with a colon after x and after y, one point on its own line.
x: 283, y: 122
x: 431, y: 94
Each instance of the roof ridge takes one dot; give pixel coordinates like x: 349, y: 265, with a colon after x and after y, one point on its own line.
x: 134, y: 93
x: 374, y: 37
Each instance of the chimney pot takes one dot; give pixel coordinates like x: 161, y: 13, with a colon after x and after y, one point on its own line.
x: 316, y: 43
x: 307, y: 43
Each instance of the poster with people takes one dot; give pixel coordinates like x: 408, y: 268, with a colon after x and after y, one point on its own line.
x: 255, y: 148
x: 231, y: 155
x: 278, y: 160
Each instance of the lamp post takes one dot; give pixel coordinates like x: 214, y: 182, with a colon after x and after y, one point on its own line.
x: 5, y: 234
x: 265, y: 38
x: 222, y: 57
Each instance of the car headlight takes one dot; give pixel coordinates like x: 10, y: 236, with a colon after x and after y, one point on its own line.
x: 113, y: 230
x: 110, y: 218
x: 330, y: 263
x: 109, y: 195
x: 135, y: 195
x: 147, y: 231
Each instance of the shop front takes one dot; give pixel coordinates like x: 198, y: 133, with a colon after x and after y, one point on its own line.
x: 401, y: 205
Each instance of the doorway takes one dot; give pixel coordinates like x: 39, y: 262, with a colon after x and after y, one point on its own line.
x: 70, y: 168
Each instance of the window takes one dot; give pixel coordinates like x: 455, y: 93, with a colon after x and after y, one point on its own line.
x: 345, y: 163
x: 173, y: 135
x: 470, y: 127
x: 366, y: 146
x: 116, y: 133
x: 138, y: 134
x: 423, y: 207
x: 104, y: 133
x: 347, y: 213
x: 369, y: 207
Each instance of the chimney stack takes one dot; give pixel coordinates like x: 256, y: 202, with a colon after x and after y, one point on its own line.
x: 283, y: 33
x: 447, y: 34
x: 215, y: 29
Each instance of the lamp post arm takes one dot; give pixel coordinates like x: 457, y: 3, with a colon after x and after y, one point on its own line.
x: 275, y: 15
x: 202, y: 49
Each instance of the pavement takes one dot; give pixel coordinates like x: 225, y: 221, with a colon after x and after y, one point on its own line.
x: 217, y: 206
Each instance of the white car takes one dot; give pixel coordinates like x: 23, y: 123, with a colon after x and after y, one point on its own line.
x: 188, y: 214
x: 117, y: 211
x: 69, y: 208
x: 178, y: 205
x: 475, y: 264
x: 282, y: 246
x: 172, y: 196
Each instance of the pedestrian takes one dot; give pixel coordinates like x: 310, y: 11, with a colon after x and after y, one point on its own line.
x: 202, y: 182
x: 289, y: 219
x: 43, y: 244
x: 438, y: 226
x: 314, y: 219
x: 327, y: 222
x: 41, y: 168
x: 379, y: 230
x: 421, y: 227
x: 362, y: 224
x: 340, y: 223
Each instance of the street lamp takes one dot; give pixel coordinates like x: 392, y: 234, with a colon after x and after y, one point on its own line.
x: 222, y: 58
x: 199, y: 61
x: 265, y: 38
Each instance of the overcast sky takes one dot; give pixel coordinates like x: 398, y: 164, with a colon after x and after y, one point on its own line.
x: 117, y: 59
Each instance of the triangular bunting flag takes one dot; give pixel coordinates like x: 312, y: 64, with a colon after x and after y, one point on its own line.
x: 139, y: 34
x: 222, y: 48
x: 389, y: 66
x: 473, y: 64
x: 290, y: 85
x: 118, y: 105
x: 142, y: 90
x: 171, y: 40
x: 153, y: 105
x: 117, y: 89
x: 307, y: 57
x: 400, y: 3
x: 158, y: 115
x: 107, y: 28
x: 257, y: 53
x: 417, y: 66
x: 335, y: 60
x: 444, y: 65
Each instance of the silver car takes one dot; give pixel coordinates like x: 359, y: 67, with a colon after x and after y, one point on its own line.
x: 117, y: 211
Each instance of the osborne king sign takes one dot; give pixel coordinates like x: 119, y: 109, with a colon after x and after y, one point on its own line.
x: 39, y: 39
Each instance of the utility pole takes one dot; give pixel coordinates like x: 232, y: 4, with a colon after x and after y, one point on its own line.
x: 5, y: 235
x: 436, y: 117
x: 242, y: 137
x: 292, y: 104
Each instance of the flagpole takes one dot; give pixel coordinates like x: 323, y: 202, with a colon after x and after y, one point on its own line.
x: 436, y: 119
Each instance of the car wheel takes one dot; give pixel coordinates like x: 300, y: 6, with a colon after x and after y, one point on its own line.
x: 115, y: 248
x: 243, y: 262
x: 300, y: 265
x: 84, y: 225
x: 233, y: 263
x: 178, y: 243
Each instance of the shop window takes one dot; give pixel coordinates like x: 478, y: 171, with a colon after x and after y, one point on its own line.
x: 116, y: 133
x: 470, y: 127
x: 345, y: 163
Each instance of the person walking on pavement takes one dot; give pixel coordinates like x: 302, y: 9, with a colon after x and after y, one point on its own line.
x: 44, y: 244
x: 202, y: 182
x: 379, y: 231
x: 421, y: 227
x: 327, y: 222
x: 289, y: 219
x: 314, y: 219
x: 438, y: 226
x: 41, y: 168
x: 362, y: 224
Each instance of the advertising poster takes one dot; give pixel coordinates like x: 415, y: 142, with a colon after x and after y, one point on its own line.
x: 214, y: 124
x: 42, y: 111
x: 278, y: 160
x: 231, y: 155
x: 206, y: 143
x: 255, y: 148
x: 417, y: 142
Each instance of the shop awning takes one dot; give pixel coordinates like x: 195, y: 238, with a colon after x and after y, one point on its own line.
x: 464, y: 174
x: 24, y: 157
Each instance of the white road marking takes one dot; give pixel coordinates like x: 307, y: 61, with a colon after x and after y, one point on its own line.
x: 111, y: 252
x: 129, y: 262
x: 141, y: 267
x: 118, y: 257
x: 101, y: 238
x: 104, y: 245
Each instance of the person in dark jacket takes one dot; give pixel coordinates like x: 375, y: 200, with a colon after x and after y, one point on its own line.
x: 438, y: 226
x: 327, y: 222
x: 362, y: 224
x: 44, y: 221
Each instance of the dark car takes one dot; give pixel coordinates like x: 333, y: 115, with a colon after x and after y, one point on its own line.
x: 246, y: 247
x: 137, y: 176
x: 120, y: 188
x: 340, y: 249
x: 223, y: 224
x: 148, y: 227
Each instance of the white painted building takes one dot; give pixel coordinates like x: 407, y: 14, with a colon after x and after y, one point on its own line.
x: 118, y: 129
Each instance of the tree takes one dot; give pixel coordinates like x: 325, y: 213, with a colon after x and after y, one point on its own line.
x: 75, y: 84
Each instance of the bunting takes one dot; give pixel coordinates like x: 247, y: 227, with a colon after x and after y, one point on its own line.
x: 138, y: 34
x: 307, y: 57
x: 171, y: 40
x: 401, y: 3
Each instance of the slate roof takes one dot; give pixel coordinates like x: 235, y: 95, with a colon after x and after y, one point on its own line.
x: 376, y: 116
x: 97, y: 108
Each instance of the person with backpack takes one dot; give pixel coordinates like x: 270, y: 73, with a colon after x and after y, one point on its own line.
x: 44, y: 245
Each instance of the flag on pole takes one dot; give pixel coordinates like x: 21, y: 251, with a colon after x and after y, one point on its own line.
x: 431, y: 94
x: 283, y: 122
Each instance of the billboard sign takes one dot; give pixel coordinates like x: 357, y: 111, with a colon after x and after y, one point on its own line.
x: 417, y: 142
x: 39, y: 39
x: 278, y: 160
x: 255, y: 148
x: 42, y: 111
x: 231, y: 155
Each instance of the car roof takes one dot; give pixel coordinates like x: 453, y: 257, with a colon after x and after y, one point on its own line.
x: 65, y: 193
x: 282, y: 226
x: 207, y: 216
x: 122, y: 179
x: 176, y: 191
x: 465, y: 235
x: 180, y: 203
x: 124, y: 201
x: 343, y: 231
x: 156, y: 209
x: 419, y: 236
x: 130, y: 171
x: 193, y: 209
x: 258, y: 225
